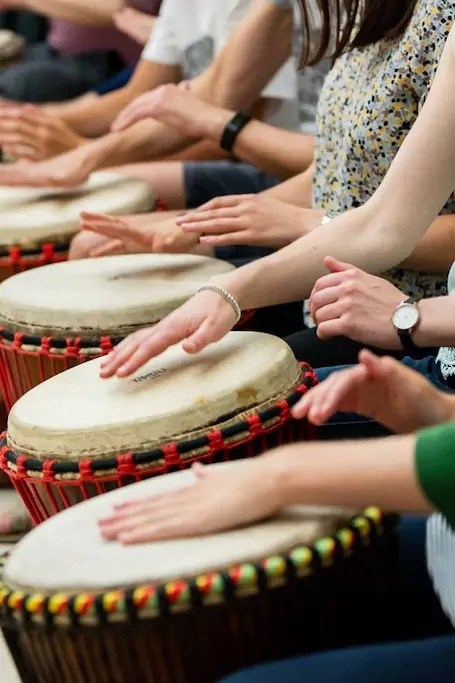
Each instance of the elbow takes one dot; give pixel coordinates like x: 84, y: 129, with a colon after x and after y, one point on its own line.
x: 388, y: 244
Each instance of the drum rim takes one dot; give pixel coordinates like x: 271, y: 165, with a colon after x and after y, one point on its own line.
x: 171, y: 454
x: 197, y: 592
x: 44, y: 248
x: 74, y: 346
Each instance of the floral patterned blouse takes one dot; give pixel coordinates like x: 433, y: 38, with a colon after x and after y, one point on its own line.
x: 369, y: 102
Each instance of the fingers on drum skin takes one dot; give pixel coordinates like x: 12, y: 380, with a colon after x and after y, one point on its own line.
x: 83, y: 243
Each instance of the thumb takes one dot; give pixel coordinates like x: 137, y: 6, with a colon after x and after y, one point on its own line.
x: 200, y: 338
x: 376, y: 366
x: 336, y: 266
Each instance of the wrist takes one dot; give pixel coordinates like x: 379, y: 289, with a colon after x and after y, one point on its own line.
x: 213, y: 123
x: 279, y: 466
x: 238, y: 284
x: 313, y: 219
x: 434, y: 328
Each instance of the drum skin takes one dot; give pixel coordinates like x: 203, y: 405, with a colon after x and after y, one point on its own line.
x: 308, y: 594
x: 77, y: 436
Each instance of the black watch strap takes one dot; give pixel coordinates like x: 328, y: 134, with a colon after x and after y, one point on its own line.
x: 406, y: 336
x: 232, y: 129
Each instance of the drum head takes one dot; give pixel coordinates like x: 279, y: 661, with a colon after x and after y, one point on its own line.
x: 31, y: 216
x: 66, y: 553
x: 113, y: 295
x: 173, y: 396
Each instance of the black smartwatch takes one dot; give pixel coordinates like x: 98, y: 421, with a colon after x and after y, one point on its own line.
x: 232, y: 129
x: 406, y: 319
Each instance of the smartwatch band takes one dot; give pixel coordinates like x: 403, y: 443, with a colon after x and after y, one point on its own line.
x: 232, y: 129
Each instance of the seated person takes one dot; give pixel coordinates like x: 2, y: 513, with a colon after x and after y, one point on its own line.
x: 263, y: 221
x: 138, y: 26
x: 413, y: 472
x: 375, y: 236
x: 83, y: 48
x: 174, y: 51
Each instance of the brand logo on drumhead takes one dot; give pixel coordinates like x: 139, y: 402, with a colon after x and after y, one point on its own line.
x: 153, y: 374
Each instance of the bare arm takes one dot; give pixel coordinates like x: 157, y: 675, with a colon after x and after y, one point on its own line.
x: 243, y: 72
x: 81, y: 11
x: 379, y: 472
x: 234, y: 80
x: 271, y: 149
x: 436, y: 251
x: 368, y: 237
x: 94, y: 117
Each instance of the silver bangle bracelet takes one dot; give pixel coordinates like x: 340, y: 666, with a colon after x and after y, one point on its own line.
x: 225, y: 295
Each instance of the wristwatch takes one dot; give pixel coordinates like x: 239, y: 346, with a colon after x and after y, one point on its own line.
x: 406, y: 319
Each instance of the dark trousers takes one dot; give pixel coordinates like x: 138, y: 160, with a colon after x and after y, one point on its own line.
x: 425, y: 652
x: 307, y: 346
x: 45, y: 76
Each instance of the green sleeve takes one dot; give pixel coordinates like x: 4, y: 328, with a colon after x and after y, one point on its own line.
x: 435, y: 467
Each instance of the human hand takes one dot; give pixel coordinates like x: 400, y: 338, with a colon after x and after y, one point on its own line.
x: 248, y: 219
x: 135, y: 24
x: 202, y: 320
x: 29, y: 133
x: 354, y: 304
x: 221, y: 498
x: 65, y: 170
x: 156, y: 237
x: 381, y: 388
x: 172, y: 105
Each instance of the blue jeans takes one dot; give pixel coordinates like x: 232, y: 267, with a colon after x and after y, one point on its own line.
x: 425, y: 655
x: 351, y: 425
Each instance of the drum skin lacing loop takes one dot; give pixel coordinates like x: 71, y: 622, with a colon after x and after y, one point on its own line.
x: 85, y: 469
x: 48, y: 470
x: 3, y: 458
x: 254, y: 425
x: 21, y: 466
x: 18, y: 339
x: 48, y: 252
x: 46, y: 343
x: 125, y: 465
x: 15, y: 255
x: 171, y: 454
x: 285, y: 412
x: 106, y: 345
x: 216, y: 440
x: 73, y: 347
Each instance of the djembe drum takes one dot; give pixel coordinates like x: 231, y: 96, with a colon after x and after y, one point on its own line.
x: 76, y: 435
x: 65, y: 313
x: 75, y: 608
x: 36, y: 224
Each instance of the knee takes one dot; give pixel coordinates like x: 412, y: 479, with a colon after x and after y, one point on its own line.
x: 83, y: 244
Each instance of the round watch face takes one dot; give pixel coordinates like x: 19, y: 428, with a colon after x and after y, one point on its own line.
x: 406, y: 317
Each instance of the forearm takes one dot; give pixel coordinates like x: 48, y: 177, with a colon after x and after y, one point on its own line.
x: 437, y: 323
x: 93, y: 118
x: 80, y: 11
x: 146, y: 140
x: 280, y: 152
x: 436, y: 250
x: 199, y: 151
x: 297, y: 190
x: 242, y: 72
x: 289, y: 274
x: 355, y: 475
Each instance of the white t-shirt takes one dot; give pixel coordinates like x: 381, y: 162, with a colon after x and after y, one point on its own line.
x: 191, y: 33
x: 310, y: 79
